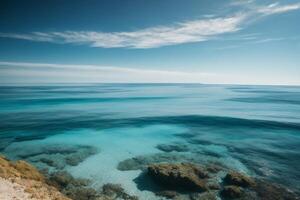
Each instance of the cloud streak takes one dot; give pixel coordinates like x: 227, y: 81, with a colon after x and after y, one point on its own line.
x: 191, y: 31
x: 23, y: 73
x: 44, y: 72
x: 180, y: 33
x: 276, y: 8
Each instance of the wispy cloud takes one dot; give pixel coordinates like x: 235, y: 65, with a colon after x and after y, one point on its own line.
x: 45, y: 72
x: 276, y: 8
x: 268, y: 40
x: 191, y: 31
x: 251, y: 40
x: 185, y: 32
x: 241, y: 2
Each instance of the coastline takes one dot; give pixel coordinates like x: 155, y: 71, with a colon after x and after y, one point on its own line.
x: 20, y: 180
x: 181, y: 181
x: 97, y: 142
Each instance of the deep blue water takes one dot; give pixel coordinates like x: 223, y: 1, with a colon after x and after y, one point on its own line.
x: 253, y: 129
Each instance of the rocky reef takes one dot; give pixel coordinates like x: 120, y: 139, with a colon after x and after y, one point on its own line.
x: 55, y: 157
x: 183, y: 176
x: 173, y: 147
x: 194, y: 182
x: 175, y: 176
x: 142, y: 162
x: 80, y: 189
x: 20, y: 180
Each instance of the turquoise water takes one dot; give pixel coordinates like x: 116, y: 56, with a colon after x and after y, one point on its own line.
x: 252, y: 129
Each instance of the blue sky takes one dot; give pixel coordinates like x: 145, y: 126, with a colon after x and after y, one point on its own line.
x: 221, y: 41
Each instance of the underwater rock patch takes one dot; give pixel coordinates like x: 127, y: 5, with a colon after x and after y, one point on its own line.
x: 238, y: 179
x: 231, y: 192
x: 209, y: 195
x: 241, y: 186
x: 183, y: 176
x: 46, y: 149
x: 74, y: 188
x: 75, y: 158
x: 172, y: 147
x: 80, y: 189
x: 80, y: 193
x: 62, y: 179
x: 141, y: 162
x: 114, y: 192
x: 271, y: 191
x: 57, y: 157
x: 170, y: 194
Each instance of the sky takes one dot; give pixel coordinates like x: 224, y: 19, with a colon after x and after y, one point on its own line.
x: 158, y: 41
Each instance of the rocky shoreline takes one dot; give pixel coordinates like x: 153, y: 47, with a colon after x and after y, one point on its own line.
x: 20, y: 180
x: 179, y: 181
x: 194, y: 182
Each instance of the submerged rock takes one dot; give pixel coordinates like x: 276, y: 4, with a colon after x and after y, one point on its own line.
x: 231, y: 192
x: 80, y: 193
x: 183, y: 176
x: 114, y: 192
x: 172, y: 147
x: 60, y: 157
x: 213, y: 168
x: 235, y: 178
x: 79, y: 189
x: 46, y: 161
x: 141, y: 162
x: 63, y: 179
x: 213, y: 186
x: 271, y: 191
x: 204, y: 196
x: 75, y: 158
x: 74, y: 188
x: 53, y: 156
x: 170, y: 194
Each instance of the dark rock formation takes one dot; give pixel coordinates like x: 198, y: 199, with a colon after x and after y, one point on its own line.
x: 235, y: 178
x: 72, y: 187
x: 271, y: 191
x: 75, y: 158
x: 141, y: 162
x: 183, y: 176
x: 80, y: 193
x: 79, y: 189
x: 231, y: 192
x: 213, y: 186
x: 213, y: 168
x: 54, y: 156
x: 63, y: 179
x: 170, y: 194
x: 115, y: 191
x: 172, y: 147
x: 203, y: 196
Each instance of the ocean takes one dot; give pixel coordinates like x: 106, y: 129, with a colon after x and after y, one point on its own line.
x: 98, y: 131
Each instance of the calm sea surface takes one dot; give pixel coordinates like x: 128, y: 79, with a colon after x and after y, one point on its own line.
x: 253, y: 129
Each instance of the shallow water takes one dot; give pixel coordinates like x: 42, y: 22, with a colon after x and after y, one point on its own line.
x: 253, y: 129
